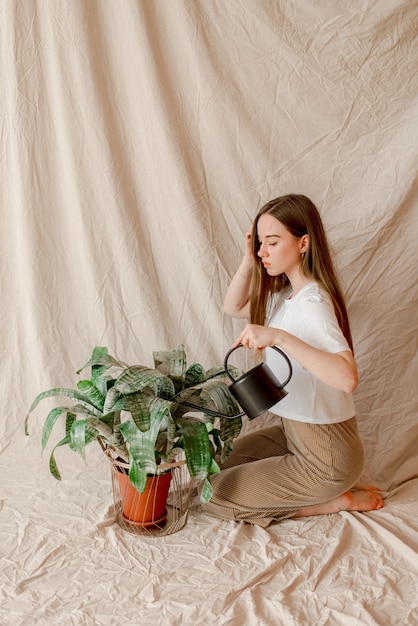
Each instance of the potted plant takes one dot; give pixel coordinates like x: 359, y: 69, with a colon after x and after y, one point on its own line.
x: 138, y: 416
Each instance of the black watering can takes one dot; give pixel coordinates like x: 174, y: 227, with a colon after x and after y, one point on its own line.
x: 255, y: 391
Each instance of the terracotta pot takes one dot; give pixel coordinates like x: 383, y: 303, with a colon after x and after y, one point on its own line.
x: 147, y: 508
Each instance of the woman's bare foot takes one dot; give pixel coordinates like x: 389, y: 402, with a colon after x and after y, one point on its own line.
x: 368, y: 499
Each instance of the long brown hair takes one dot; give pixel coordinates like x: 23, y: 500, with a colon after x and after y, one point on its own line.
x: 300, y: 216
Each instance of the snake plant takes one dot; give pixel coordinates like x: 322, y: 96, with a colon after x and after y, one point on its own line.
x: 136, y: 413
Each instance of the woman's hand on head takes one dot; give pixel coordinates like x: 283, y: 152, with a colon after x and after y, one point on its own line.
x: 237, y: 298
x: 248, y: 246
x: 257, y: 337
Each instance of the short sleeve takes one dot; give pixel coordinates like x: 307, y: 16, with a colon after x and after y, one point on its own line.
x: 320, y: 326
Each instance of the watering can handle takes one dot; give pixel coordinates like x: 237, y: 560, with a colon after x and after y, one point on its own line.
x: 286, y: 358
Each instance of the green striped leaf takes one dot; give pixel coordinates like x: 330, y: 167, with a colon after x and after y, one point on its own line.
x: 60, y: 391
x: 69, y: 421
x: 85, y: 431
x: 166, y: 438
x: 197, y: 448
x: 104, y: 368
x: 230, y: 428
x: 91, y: 393
x: 137, y: 378
x: 78, y: 437
x: 172, y: 363
x: 100, y: 357
x: 160, y: 411
x: 207, y: 491
x: 137, y: 404
x: 77, y: 410
x: 49, y: 423
x: 195, y: 375
x: 212, y: 394
x: 137, y: 475
x: 219, y: 372
x: 111, y: 399
x: 53, y: 467
x: 141, y: 447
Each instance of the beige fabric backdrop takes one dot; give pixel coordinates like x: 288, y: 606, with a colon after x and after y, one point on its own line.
x: 139, y: 137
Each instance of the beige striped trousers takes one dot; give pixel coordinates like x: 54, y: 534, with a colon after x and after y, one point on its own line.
x: 276, y: 471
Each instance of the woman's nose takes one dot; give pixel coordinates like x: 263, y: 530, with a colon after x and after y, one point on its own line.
x: 261, y: 251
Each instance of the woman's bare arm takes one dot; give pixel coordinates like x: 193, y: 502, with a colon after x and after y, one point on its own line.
x: 339, y: 370
x: 237, y: 298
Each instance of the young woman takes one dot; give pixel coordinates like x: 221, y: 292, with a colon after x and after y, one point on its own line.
x: 309, y: 461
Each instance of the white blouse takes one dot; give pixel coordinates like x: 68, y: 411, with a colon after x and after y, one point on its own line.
x: 310, y: 316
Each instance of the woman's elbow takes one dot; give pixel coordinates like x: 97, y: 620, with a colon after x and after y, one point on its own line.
x: 351, y: 384
x: 229, y: 311
x: 351, y: 380
x: 348, y: 373
x: 236, y: 310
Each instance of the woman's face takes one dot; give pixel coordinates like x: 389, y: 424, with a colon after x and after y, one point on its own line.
x: 280, y: 251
